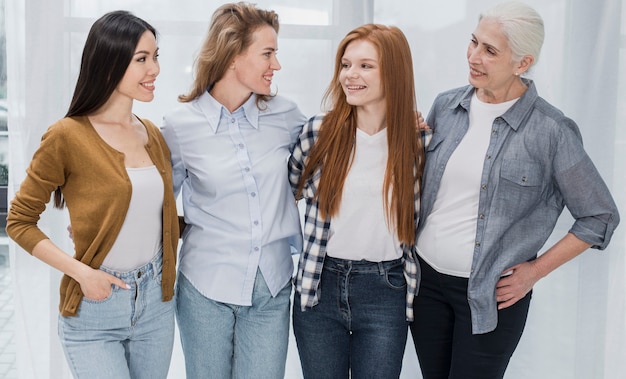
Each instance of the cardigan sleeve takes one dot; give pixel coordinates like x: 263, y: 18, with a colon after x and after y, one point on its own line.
x: 45, y: 174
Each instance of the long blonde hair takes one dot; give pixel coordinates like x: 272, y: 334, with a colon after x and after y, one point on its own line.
x: 230, y: 34
x: 334, y: 147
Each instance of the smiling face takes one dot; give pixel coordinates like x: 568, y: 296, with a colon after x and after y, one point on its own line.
x: 360, y: 75
x: 492, y: 70
x: 254, y: 68
x: 141, y: 73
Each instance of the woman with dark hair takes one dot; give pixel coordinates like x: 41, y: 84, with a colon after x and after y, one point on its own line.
x: 230, y: 142
x: 112, y: 170
x: 358, y: 167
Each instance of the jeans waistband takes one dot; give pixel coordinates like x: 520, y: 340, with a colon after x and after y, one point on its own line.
x: 362, y: 266
x: 152, y: 268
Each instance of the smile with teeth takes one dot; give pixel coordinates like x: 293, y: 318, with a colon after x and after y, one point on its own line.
x: 476, y: 72
x: 268, y: 78
x: 354, y: 88
x: 149, y: 85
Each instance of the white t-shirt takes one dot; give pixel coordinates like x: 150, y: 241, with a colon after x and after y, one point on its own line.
x: 447, y: 240
x: 359, y: 230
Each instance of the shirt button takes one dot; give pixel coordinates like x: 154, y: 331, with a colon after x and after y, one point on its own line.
x: 494, y: 132
x: 240, y: 145
x: 256, y: 248
x: 253, y: 194
x: 488, y: 156
x: 232, y: 120
x: 256, y: 222
x: 483, y: 187
x: 524, y: 179
x: 477, y: 243
x: 247, y: 169
x: 481, y: 216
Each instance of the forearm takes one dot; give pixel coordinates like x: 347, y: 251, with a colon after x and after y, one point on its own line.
x: 521, y: 278
x: 568, y: 248
x: 49, y: 253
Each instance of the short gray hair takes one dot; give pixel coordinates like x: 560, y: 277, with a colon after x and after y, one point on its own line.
x: 521, y: 25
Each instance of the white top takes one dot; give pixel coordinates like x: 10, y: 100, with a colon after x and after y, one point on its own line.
x: 139, y: 239
x: 447, y: 241
x: 239, y: 208
x: 359, y: 230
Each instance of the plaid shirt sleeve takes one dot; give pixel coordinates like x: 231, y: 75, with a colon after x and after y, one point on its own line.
x: 315, y: 229
x: 411, y: 266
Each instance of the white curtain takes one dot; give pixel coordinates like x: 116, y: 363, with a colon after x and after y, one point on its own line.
x: 577, y: 321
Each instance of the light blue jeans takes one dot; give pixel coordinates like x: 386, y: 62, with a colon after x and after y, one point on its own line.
x: 130, y: 334
x: 230, y: 341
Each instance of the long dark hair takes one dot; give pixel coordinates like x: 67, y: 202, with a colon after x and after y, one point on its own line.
x: 109, y: 48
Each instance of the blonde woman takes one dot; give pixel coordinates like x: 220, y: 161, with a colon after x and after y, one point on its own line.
x: 230, y: 142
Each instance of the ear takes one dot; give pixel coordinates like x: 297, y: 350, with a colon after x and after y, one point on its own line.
x: 524, y: 64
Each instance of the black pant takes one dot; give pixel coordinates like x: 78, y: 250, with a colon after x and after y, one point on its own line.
x: 442, y: 331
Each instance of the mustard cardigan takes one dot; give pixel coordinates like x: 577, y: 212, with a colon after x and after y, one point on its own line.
x: 97, y: 192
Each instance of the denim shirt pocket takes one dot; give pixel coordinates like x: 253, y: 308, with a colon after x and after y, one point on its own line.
x: 523, y: 173
x: 520, y: 184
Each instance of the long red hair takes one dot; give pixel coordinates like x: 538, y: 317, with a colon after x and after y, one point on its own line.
x: 334, y: 148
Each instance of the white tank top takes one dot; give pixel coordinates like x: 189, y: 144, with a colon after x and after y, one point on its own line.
x: 140, y: 238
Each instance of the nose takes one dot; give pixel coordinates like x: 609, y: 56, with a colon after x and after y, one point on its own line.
x: 155, y: 68
x: 472, y: 55
x: 275, y: 65
x: 352, y: 72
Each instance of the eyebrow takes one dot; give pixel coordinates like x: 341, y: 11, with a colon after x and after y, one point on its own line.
x: 486, y: 44
x: 145, y: 52
x: 361, y: 60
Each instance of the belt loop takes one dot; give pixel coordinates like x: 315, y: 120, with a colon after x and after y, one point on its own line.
x: 381, y: 268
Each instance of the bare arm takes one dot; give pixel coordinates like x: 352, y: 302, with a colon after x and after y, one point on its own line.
x: 95, y: 284
x: 512, y: 288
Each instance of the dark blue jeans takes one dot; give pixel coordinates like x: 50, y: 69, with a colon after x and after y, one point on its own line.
x: 359, y: 325
x: 442, y: 331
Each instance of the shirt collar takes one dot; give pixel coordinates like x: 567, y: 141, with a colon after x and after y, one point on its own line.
x: 516, y: 114
x: 214, y: 110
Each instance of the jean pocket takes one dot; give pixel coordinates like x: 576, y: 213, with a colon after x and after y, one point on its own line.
x: 394, y: 278
x: 114, y: 288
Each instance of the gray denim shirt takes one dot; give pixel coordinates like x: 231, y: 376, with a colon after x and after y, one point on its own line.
x: 534, y: 166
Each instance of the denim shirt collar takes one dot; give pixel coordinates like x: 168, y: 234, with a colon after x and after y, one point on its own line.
x: 213, y: 110
x: 516, y: 114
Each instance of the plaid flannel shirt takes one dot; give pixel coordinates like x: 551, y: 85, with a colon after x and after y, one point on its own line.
x: 316, y: 228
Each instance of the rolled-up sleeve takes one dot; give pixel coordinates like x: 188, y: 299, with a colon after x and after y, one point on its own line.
x: 585, y: 193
